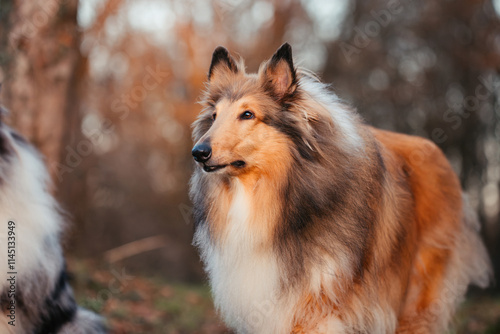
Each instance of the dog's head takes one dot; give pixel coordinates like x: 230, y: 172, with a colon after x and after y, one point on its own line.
x: 244, y: 125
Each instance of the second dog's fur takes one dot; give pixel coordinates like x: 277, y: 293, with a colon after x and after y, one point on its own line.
x: 40, y: 301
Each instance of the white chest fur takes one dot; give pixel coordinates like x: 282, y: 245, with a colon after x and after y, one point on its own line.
x: 244, y: 277
x: 25, y: 200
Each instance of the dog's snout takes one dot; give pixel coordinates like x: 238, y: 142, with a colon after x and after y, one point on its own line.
x: 202, y: 152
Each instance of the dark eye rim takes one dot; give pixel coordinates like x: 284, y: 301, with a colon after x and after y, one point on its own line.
x: 247, y: 114
x: 214, y: 116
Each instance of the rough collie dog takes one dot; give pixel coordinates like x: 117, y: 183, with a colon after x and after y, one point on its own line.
x: 309, y: 221
x: 36, y: 297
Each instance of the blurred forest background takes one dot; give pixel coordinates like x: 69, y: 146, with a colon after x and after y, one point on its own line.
x: 107, y: 90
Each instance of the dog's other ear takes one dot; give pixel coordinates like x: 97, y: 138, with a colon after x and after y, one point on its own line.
x: 221, y: 62
x: 280, y: 76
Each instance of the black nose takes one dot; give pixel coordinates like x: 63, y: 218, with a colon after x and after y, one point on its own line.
x: 202, y: 152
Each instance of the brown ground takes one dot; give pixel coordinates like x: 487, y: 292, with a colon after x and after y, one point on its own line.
x: 150, y: 305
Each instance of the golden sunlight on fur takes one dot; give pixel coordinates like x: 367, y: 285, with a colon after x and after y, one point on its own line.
x: 310, y: 221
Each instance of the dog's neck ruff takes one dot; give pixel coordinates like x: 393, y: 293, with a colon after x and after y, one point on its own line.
x: 26, y: 201
x: 249, y: 280
x: 244, y: 275
x: 31, y: 227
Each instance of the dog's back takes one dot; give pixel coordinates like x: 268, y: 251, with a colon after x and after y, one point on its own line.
x: 447, y: 254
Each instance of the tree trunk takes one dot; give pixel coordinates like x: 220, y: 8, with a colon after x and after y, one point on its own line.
x: 41, y: 52
x: 43, y: 76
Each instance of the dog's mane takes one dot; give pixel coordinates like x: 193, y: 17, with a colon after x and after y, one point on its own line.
x: 326, y: 135
x: 327, y: 222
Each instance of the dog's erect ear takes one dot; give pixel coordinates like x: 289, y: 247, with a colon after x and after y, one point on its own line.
x: 280, y: 74
x: 221, y: 61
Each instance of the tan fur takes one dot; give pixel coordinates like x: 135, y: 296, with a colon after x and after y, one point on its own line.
x: 334, y: 226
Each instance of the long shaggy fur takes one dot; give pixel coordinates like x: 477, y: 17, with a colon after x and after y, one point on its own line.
x: 44, y: 301
x: 330, y: 226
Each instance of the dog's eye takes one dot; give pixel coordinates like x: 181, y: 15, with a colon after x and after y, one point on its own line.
x: 214, y: 116
x: 247, y: 114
